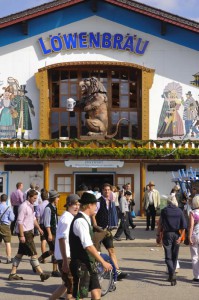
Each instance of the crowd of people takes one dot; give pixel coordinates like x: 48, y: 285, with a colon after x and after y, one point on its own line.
x: 74, y: 239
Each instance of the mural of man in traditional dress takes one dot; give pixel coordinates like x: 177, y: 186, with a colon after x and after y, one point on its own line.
x: 23, y: 105
x: 7, y: 127
x: 170, y: 121
x: 190, y: 115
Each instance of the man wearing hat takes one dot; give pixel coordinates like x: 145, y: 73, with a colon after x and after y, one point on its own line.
x: 83, y: 252
x: 151, y: 204
x: 23, y: 105
x: 50, y: 225
x: 62, y: 247
x: 190, y: 114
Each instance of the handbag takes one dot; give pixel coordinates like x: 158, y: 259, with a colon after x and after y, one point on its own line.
x: 133, y: 215
x: 15, y: 229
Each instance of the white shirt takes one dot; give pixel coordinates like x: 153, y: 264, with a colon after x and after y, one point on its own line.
x: 81, y: 229
x: 90, y: 192
x: 25, y: 194
x: 107, y: 204
x: 124, y: 207
x: 39, y: 200
x: 97, y: 195
x: 62, y: 232
x: 151, y: 197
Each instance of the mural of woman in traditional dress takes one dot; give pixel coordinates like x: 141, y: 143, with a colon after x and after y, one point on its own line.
x: 170, y: 121
x: 7, y: 127
x: 15, y: 110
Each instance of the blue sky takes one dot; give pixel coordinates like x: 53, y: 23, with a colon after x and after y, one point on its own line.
x: 9, y: 7
x: 185, y: 8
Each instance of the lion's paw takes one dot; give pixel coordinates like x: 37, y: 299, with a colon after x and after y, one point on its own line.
x: 91, y: 133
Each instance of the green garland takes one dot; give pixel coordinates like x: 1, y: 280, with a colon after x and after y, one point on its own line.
x: 105, y: 152
x: 76, y: 148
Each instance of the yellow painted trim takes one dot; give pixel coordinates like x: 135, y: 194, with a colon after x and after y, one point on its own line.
x: 44, y: 112
x: 147, y: 81
x: 95, y: 63
x: 142, y: 187
x: 46, y: 176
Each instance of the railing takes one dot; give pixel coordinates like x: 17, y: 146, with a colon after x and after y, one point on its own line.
x: 95, y: 143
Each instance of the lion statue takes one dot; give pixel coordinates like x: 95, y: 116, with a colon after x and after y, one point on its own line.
x: 95, y: 103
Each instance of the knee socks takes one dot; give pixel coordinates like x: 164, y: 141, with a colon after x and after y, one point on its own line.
x: 34, y: 262
x: 16, y: 261
x: 45, y: 255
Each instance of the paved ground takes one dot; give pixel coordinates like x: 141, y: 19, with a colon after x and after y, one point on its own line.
x: 141, y: 258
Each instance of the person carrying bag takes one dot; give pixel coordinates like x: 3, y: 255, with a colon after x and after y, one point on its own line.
x: 6, y: 217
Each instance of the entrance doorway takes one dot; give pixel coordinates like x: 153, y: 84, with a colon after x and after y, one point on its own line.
x: 93, y: 180
x: 66, y: 184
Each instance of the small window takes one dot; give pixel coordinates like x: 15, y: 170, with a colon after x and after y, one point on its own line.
x: 124, y: 101
x: 54, y: 126
x: 55, y: 95
x: 64, y: 75
x: 1, y: 184
x: 64, y: 184
x: 115, y: 94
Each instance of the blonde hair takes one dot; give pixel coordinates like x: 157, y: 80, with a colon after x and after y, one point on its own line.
x: 195, y: 202
x: 83, y: 207
x: 172, y: 200
x: 114, y: 188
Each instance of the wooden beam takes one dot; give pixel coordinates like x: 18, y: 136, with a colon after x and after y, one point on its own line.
x: 142, y: 186
x: 163, y: 28
x: 46, y: 176
x: 25, y: 27
x: 94, y: 5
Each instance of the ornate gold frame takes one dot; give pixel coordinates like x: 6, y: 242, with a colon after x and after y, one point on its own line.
x: 42, y: 83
